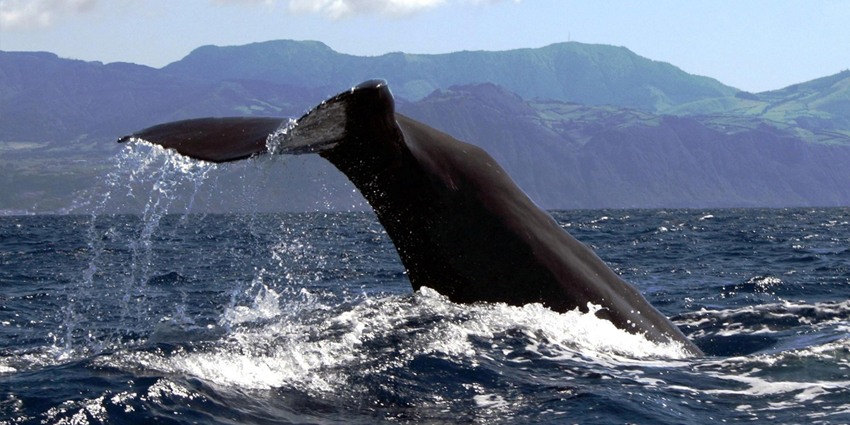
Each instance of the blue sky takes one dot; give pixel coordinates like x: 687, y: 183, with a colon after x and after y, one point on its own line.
x: 749, y: 44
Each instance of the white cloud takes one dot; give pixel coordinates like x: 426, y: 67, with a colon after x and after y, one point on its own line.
x: 337, y: 9
x: 28, y: 14
x: 18, y: 14
x: 244, y: 2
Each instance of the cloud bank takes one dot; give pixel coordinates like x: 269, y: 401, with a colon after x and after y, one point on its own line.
x: 337, y: 9
x: 16, y: 14
x: 29, y: 14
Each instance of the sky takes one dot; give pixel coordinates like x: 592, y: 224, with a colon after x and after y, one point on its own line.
x: 754, y: 45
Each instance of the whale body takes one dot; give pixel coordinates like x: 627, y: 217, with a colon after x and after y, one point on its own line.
x: 459, y: 223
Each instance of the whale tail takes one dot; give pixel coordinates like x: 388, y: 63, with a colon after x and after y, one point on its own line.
x: 212, y: 139
x: 236, y: 138
x: 458, y: 221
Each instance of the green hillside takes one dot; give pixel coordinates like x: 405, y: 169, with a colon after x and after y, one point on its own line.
x: 567, y: 155
x: 574, y: 72
x: 822, y: 104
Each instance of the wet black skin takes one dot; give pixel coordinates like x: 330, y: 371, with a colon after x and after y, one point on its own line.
x: 460, y: 224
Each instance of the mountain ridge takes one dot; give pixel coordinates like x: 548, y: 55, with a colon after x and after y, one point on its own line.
x: 602, y: 157
x: 59, y: 119
x: 819, y: 104
x: 570, y: 71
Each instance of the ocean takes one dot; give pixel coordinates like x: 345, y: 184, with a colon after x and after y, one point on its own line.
x: 170, y: 316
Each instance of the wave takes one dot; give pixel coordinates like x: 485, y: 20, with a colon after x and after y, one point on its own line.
x: 765, y: 318
x: 316, y: 350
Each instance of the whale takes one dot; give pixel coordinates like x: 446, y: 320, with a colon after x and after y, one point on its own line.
x: 459, y: 223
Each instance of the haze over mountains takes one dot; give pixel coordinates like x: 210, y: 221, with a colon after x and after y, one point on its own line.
x: 576, y: 125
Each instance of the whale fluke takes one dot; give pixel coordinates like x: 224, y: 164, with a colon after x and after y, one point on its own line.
x: 236, y: 138
x: 459, y: 223
x: 212, y: 139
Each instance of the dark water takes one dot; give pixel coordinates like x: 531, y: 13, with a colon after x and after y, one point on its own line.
x: 309, y: 318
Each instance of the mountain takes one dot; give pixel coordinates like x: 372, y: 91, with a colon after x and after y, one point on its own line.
x: 575, y: 125
x: 577, y: 156
x: 821, y: 104
x: 44, y: 98
x: 575, y: 72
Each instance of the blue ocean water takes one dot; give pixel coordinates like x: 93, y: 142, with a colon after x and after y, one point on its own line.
x: 165, y: 316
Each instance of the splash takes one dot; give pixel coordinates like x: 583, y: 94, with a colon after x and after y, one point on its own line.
x: 266, y: 305
x: 164, y: 172
x: 274, y: 143
x: 139, y: 169
x: 322, y: 350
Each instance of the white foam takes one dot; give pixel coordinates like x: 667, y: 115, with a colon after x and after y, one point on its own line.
x: 760, y: 387
x: 831, y: 411
x: 751, y: 380
x: 266, y: 305
x: 78, y: 412
x: 317, y: 357
x: 489, y: 401
x: 165, y: 388
x: 818, y: 315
